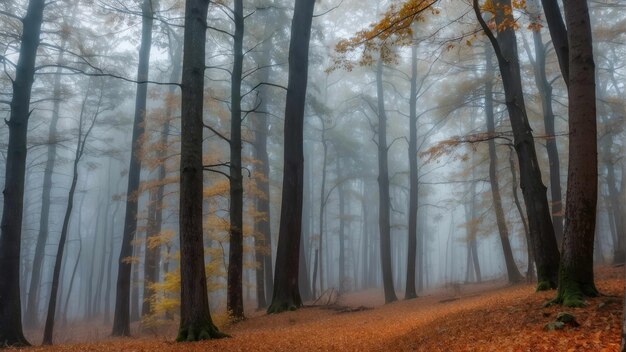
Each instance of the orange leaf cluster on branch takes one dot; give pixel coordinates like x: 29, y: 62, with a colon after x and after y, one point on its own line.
x: 394, y: 29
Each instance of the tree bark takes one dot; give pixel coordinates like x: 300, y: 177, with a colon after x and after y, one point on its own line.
x: 559, y: 35
x: 383, y: 190
x: 12, y: 212
x: 513, y: 273
x: 195, y: 317
x: 195, y: 322
x: 265, y: 280
x: 31, y: 318
x: 576, y: 271
x: 121, y: 319
x: 533, y: 189
x: 234, y: 296
x: 545, y: 93
x: 286, y: 292
x: 410, y: 291
x: 530, y: 271
x: 80, y: 148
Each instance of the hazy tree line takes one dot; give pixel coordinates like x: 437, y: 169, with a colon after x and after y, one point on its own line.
x: 281, y: 153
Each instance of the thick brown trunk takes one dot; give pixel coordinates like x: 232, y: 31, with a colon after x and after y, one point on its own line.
x: 195, y: 317
x: 576, y: 272
x: 383, y: 191
x: 234, y: 296
x: 533, y: 189
x: 530, y: 271
x: 286, y: 292
x: 121, y: 319
x: 545, y: 93
x: 11, y: 229
x: 513, y: 273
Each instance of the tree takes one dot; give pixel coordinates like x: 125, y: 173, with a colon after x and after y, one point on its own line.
x: 80, y: 150
x: 286, y: 295
x: 195, y: 317
x: 32, y: 304
x: 11, y: 229
x: 513, y: 273
x: 534, y: 191
x: 234, y: 300
x: 576, y: 270
x: 121, y: 319
x: 263, y: 243
x: 545, y: 92
x: 384, y: 206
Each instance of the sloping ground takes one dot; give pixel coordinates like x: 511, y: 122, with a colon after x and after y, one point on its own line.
x: 504, y: 319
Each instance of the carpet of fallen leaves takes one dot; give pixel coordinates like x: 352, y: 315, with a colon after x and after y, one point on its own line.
x: 487, y: 317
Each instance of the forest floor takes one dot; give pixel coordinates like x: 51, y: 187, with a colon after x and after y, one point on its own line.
x: 486, y: 317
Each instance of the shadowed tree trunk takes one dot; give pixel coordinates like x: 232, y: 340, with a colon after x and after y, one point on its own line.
x: 153, y: 252
x: 530, y: 271
x: 195, y: 317
x: 545, y: 93
x: 32, y: 305
x: 80, y: 149
x: 80, y: 249
x: 286, y: 292
x: 234, y: 296
x: 265, y: 279
x: 533, y: 189
x: 558, y: 33
x: 107, y: 293
x: 513, y: 273
x: 576, y: 271
x: 342, y: 228
x: 413, y: 179
x: 383, y: 190
x: 121, y: 319
x: 11, y: 229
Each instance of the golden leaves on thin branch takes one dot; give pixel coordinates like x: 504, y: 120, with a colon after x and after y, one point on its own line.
x: 393, y: 30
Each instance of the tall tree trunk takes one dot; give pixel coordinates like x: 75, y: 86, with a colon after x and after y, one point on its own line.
x: 89, y: 296
x: 318, y: 253
x: 80, y: 148
x: 558, y: 33
x: 121, y: 319
x: 545, y: 93
x: 342, y: 228
x: 152, y: 255
x: 303, y: 276
x: 383, y: 190
x: 107, y: 293
x: 513, y: 273
x: 533, y: 189
x: 80, y: 249
x: 576, y: 270
x: 530, y: 271
x: 286, y: 292
x: 134, y: 284
x: 32, y: 305
x: 12, y: 212
x: 410, y: 291
x: 195, y: 317
x: 152, y: 265
x: 234, y: 296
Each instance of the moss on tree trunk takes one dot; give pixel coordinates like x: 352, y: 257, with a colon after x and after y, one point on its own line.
x: 572, y: 291
x: 199, y: 331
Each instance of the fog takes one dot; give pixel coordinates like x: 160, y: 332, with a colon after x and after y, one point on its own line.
x: 86, y: 102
